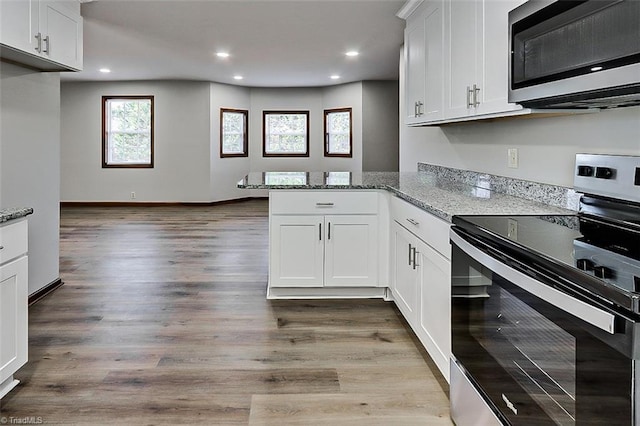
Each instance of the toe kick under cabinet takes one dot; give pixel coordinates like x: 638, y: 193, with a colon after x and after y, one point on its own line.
x: 13, y: 301
x: 325, y: 244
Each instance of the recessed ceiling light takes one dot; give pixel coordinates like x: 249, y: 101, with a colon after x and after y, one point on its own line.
x: 335, y: 77
x: 352, y: 53
x: 237, y: 77
x: 222, y: 55
x: 105, y: 70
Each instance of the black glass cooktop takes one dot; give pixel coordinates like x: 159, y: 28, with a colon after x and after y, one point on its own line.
x: 578, y: 244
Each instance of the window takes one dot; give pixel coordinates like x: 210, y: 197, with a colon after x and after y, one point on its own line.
x: 127, y: 131
x: 285, y: 133
x: 233, y: 133
x: 285, y: 178
x: 337, y: 132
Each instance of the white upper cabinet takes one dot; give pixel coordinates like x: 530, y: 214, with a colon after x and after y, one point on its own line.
x: 423, y: 50
x: 462, y: 60
x: 477, y: 57
x: 42, y: 34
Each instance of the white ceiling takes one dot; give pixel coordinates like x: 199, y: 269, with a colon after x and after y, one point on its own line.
x: 289, y: 43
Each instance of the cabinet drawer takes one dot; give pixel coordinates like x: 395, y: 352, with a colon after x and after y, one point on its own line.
x: 13, y: 240
x: 429, y: 228
x: 323, y: 202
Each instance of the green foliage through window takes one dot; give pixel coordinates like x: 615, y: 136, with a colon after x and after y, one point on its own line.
x: 233, y: 133
x: 128, y: 131
x: 286, y: 133
x: 337, y: 130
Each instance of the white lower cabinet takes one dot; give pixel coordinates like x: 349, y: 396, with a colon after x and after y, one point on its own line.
x: 405, y: 275
x: 421, y: 278
x: 323, y: 250
x: 434, y: 306
x: 13, y: 302
x: 317, y: 251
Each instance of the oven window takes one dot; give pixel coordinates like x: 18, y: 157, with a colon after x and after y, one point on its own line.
x: 532, y: 362
x: 534, y: 351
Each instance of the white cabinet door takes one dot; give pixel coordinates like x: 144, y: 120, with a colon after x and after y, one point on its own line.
x: 13, y: 320
x: 424, y: 64
x: 461, y: 62
x: 296, y: 251
x: 477, y: 61
x: 19, y: 24
x: 414, y: 51
x: 351, y: 251
x: 432, y: 109
x: 405, y: 275
x: 434, y: 325
x: 61, y: 28
x: 492, y: 45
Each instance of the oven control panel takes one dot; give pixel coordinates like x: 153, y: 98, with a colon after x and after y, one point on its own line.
x: 614, y: 176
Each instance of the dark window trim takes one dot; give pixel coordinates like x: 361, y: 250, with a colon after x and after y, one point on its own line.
x: 264, y: 130
x: 105, y: 165
x: 326, y: 135
x: 245, y: 135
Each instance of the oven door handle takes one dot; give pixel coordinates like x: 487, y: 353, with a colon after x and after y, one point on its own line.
x: 581, y: 310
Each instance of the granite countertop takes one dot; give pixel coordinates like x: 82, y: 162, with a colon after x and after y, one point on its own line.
x: 437, y: 195
x: 14, y: 213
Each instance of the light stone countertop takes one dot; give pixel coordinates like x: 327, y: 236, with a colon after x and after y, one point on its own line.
x: 435, y: 194
x: 14, y: 213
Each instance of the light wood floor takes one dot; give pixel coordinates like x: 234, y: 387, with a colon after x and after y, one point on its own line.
x: 163, y: 320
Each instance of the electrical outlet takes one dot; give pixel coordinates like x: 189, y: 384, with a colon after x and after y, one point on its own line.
x: 512, y: 231
x: 133, y: 195
x: 512, y: 154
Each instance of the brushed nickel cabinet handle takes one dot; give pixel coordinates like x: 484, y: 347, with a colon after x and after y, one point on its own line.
x: 476, y: 90
x: 320, y: 231
x: 324, y: 204
x: 469, y: 92
x: 413, y: 221
x: 47, y: 45
x: 39, y: 45
x: 329, y: 230
x: 409, y: 254
x: 415, y: 253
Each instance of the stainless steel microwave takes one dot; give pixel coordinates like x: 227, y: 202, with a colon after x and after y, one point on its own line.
x: 575, y: 54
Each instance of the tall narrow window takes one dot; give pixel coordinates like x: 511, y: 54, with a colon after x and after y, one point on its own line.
x: 285, y: 133
x: 338, y: 135
x: 233, y: 133
x: 127, y: 131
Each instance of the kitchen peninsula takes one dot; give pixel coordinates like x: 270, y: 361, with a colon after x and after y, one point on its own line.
x: 385, y: 235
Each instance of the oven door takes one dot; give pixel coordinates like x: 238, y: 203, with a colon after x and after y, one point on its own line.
x: 536, y: 354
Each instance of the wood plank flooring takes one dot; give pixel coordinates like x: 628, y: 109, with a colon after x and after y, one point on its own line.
x: 163, y: 319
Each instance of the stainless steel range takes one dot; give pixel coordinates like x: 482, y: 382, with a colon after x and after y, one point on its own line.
x: 546, y: 309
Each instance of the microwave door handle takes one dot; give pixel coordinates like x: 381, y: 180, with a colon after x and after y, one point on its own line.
x: 581, y: 310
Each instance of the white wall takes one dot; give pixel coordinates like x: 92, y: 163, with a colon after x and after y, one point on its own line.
x: 226, y: 172
x: 30, y: 162
x: 546, y: 146
x: 380, y: 125
x: 188, y: 166
x: 181, y: 144
x: 344, y: 96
